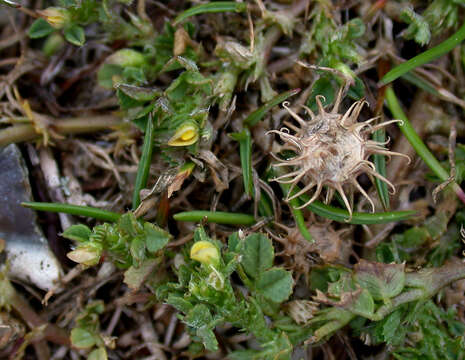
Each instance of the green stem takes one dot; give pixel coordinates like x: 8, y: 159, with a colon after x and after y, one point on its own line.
x: 298, y: 216
x: 338, y: 214
x: 343, y: 216
x: 300, y: 221
x: 425, y: 57
x: 211, y: 7
x: 144, y: 163
x: 86, y: 211
x: 219, y: 217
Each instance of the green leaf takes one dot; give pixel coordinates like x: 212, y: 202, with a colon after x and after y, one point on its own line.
x: 357, y: 91
x: 129, y: 224
x: 418, y: 28
x: 125, y: 101
x: 138, y: 249
x: 383, y: 281
x: 199, y: 316
x: 40, y: 28
x: 245, y: 151
x: 75, y: 35
x: 343, y: 216
x: 425, y: 57
x: 380, y: 165
x: 139, y: 93
x: 321, y: 276
x: 134, y: 75
x: 82, y: 338
x: 208, y: 338
x: 219, y: 217
x: 200, y: 234
x: 412, y: 239
x: 155, y: 238
x: 324, y: 87
x: 98, y: 354
x: 258, y: 254
x: 234, y: 242
x: 362, y: 305
x: 144, y: 163
x: 96, y: 307
x: 74, y: 210
x: 78, y: 232
x: 179, y: 303
x: 275, y: 284
x: 258, y: 114
x: 211, y: 7
x: 391, y: 325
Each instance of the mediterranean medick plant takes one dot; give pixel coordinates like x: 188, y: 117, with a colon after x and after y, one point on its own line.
x: 197, y: 242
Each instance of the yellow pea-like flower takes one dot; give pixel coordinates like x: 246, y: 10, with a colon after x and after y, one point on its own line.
x: 186, y: 134
x: 55, y: 16
x: 85, y: 255
x: 205, y: 252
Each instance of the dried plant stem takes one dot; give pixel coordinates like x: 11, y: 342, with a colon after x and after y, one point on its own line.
x: 70, y: 126
x: 274, y: 32
x: 51, y: 333
x: 141, y: 10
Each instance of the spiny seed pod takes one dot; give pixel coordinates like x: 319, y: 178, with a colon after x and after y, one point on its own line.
x: 331, y: 150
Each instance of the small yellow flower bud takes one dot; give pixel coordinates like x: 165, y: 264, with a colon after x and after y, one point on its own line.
x: 205, y: 252
x: 55, y: 16
x: 85, y: 255
x: 186, y: 134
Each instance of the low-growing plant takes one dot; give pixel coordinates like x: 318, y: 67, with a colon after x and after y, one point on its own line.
x: 193, y: 89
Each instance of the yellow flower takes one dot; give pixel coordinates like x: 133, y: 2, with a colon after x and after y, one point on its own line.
x: 55, y: 16
x: 186, y: 134
x: 86, y: 255
x: 205, y: 252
